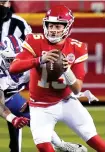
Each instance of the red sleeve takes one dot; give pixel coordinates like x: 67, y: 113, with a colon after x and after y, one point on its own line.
x: 32, y: 43
x: 79, y: 70
x: 81, y: 53
x: 29, y: 58
x: 23, y: 62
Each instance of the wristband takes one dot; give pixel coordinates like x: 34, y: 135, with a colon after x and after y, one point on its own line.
x: 10, y: 117
x: 36, y: 61
x: 69, y: 76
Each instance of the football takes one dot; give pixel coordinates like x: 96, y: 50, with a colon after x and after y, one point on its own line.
x: 55, y: 69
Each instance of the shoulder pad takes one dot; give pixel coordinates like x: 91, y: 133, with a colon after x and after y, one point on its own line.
x: 76, y: 42
x: 38, y: 36
x: 35, y: 36
x: 81, y: 52
x: 32, y: 43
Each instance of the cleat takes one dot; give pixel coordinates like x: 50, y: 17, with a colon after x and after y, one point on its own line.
x: 70, y: 147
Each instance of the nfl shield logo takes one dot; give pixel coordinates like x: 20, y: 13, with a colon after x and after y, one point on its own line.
x: 71, y: 57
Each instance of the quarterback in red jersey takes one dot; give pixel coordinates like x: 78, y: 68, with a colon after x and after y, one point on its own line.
x: 51, y: 102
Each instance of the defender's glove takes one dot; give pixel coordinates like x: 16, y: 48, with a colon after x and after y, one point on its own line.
x: 17, y: 122
x: 20, y: 122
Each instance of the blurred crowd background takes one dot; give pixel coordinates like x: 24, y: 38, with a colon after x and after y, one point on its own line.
x: 43, y: 6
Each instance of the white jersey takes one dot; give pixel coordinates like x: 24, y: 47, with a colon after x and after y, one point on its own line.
x: 11, y: 84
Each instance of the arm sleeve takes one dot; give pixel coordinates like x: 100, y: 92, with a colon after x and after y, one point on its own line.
x: 23, y: 62
x: 79, y: 70
x: 81, y: 53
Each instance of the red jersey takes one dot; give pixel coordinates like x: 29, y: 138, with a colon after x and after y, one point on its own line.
x: 53, y: 92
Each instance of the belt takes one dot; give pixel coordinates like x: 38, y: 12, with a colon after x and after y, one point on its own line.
x: 66, y: 98
x: 39, y: 102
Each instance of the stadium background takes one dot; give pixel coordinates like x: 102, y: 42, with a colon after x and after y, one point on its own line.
x: 89, y: 27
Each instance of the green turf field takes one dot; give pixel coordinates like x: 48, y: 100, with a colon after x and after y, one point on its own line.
x: 97, y: 113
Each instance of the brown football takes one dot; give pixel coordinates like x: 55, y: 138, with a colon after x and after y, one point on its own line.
x: 55, y: 70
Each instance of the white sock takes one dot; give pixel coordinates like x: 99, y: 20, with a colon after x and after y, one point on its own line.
x: 56, y: 140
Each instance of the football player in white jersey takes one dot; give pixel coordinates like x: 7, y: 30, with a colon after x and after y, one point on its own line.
x: 11, y: 85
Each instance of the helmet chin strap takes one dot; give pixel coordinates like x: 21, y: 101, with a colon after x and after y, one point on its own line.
x: 54, y: 40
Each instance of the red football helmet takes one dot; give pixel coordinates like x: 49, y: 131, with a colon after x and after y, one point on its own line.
x: 58, y: 14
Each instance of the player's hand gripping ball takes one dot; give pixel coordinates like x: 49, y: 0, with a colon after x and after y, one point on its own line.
x: 55, y: 69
